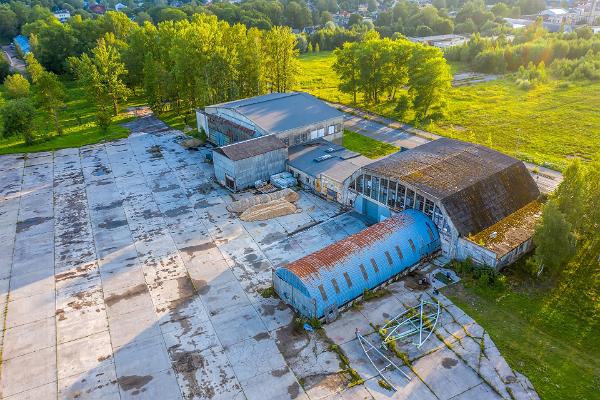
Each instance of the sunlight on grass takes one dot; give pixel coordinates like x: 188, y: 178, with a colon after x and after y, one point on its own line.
x: 367, y: 146
x: 546, y: 125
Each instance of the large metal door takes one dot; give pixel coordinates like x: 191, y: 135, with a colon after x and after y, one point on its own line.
x: 371, y: 210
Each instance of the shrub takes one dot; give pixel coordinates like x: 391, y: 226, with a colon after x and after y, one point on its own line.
x: 17, y: 116
x: 16, y: 86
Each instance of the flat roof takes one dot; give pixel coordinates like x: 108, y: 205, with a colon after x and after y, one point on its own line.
x: 251, y: 147
x: 280, y: 112
x: 337, y: 162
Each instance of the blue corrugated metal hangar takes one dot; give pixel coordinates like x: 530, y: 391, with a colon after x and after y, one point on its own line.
x: 322, y: 282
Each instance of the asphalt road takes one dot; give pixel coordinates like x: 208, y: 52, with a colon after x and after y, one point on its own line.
x: 16, y: 64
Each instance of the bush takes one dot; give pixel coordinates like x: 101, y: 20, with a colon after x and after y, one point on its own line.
x: 4, y: 69
x: 16, y: 86
x: 17, y: 116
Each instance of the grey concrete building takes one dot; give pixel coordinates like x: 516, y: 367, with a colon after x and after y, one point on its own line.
x: 483, y: 202
x: 238, y: 166
x: 294, y: 118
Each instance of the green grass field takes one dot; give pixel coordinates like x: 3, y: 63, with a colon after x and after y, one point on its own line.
x: 367, y: 146
x: 546, y: 125
x: 77, y: 119
x: 547, y: 332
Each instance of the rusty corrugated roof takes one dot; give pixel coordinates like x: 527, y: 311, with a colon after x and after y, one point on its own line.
x: 336, y: 253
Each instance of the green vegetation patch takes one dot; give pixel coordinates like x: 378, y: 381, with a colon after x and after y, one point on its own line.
x: 539, y: 331
x: 367, y: 146
x: 79, y: 127
x: 548, y: 124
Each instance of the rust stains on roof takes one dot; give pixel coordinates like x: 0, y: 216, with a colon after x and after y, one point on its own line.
x: 336, y: 253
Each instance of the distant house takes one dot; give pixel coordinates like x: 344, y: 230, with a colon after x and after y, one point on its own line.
x: 441, y: 41
x: 98, y: 9
x: 120, y: 6
x: 555, y: 15
x: 62, y: 15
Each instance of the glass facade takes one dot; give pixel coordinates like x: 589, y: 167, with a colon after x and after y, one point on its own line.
x: 397, y: 197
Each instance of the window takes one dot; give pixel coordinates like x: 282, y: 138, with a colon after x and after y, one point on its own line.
x: 348, y: 281
x: 297, y: 139
x: 367, y: 185
x: 323, y: 294
x: 364, y: 272
x: 331, y: 129
x: 335, y: 286
x: 392, y: 195
x: 374, y: 264
x: 375, y: 188
x: 304, y: 137
x: 412, y: 245
x: 286, y: 141
x: 321, y: 132
x: 438, y: 217
x: 429, y: 208
x: 400, y: 197
x: 383, y: 191
x: 410, y: 199
x: 307, y: 180
x: 359, y: 184
x: 419, y: 203
x: 389, y: 258
x: 399, y: 252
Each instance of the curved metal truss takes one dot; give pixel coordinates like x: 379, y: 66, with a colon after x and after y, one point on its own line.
x: 420, y: 319
x: 369, y: 350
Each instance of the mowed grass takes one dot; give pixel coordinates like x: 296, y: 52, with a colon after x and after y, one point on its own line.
x: 78, y: 122
x: 547, y: 125
x: 547, y: 332
x: 367, y: 146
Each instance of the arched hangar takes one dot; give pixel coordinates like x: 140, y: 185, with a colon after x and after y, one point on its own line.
x: 339, y: 273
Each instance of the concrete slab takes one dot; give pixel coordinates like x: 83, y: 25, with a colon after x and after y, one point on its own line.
x: 81, y: 355
x: 99, y: 383
x: 17, y: 372
x: 24, y: 339
x: 44, y: 392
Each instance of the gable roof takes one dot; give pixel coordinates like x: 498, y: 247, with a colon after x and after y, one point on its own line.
x: 280, y: 112
x: 251, y: 148
x: 477, y: 186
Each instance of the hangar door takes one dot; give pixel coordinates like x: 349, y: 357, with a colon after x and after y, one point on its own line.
x: 371, y: 210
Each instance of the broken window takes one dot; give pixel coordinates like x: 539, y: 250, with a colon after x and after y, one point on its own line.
x: 359, y: 184
x: 364, y: 272
x: 375, y: 188
x: 323, y: 294
x: 374, y: 264
x: 400, y: 197
x: 419, y: 203
x: 410, y: 199
x: 383, y: 192
x: 348, y: 281
x: 392, y: 195
x: 429, y: 208
x: 335, y: 286
x: 367, y: 185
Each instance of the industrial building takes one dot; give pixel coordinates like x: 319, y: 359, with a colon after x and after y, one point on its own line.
x: 464, y: 188
x: 294, y: 118
x: 324, y: 167
x: 240, y: 165
x: 323, y: 282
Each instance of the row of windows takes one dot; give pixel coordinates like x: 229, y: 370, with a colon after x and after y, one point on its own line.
x: 364, y: 272
x: 311, y: 135
x: 396, y: 196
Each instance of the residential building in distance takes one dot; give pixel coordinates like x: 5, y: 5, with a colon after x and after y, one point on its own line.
x: 62, y: 15
x: 481, y: 201
x: 294, y: 118
x: 441, y: 41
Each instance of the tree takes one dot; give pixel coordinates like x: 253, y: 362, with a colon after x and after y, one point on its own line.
x: 171, y: 14
x: 281, y: 59
x: 8, y: 22
x: 554, y: 242
x: 34, y: 68
x: 16, y: 86
x: 4, y: 68
x: 101, y: 77
x: 49, y: 95
x: 17, y: 117
x: 347, y: 67
x: 429, y: 81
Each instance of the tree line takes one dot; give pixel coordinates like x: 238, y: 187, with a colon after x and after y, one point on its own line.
x: 415, y: 76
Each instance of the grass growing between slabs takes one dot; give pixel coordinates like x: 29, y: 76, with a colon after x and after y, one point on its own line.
x: 546, y: 331
x: 78, y: 122
x: 367, y: 146
x: 546, y: 125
